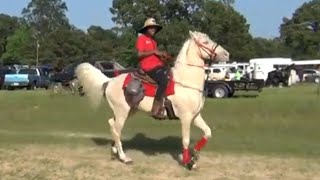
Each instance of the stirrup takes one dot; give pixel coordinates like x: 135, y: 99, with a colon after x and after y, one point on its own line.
x: 159, y: 116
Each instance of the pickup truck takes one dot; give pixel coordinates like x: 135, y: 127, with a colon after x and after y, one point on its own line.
x: 30, y: 78
x: 3, y: 72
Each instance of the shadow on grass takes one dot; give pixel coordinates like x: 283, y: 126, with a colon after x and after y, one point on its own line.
x: 149, y: 146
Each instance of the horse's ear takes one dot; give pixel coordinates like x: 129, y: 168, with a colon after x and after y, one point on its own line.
x: 192, y: 34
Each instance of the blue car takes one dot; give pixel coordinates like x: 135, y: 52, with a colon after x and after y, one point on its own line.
x: 30, y: 78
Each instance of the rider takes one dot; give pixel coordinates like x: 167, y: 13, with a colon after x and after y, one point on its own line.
x: 150, y: 62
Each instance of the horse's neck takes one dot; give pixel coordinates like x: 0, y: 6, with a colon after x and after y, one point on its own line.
x: 184, y: 72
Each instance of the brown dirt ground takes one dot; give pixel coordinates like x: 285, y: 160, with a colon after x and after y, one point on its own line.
x: 82, y: 162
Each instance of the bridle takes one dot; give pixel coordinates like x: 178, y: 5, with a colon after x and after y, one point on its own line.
x: 211, y: 52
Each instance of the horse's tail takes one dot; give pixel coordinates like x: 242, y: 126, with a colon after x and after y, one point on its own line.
x: 92, y: 80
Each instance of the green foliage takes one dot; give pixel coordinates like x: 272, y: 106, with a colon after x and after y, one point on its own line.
x: 46, y: 16
x: 304, y: 43
x: 178, y: 17
x: 226, y: 26
x: 8, y: 25
x: 20, y: 46
x: 124, y: 50
x: 269, y: 48
x: 68, y: 44
x: 263, y: 125
x: 102, y: 42
x: 61, y: 42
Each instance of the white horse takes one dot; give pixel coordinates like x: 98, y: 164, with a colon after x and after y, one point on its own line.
x: 187, y: 101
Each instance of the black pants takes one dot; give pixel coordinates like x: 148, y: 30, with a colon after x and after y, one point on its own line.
x: 160, y: 75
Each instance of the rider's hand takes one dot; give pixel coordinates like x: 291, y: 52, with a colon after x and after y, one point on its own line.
x: 160, y: 53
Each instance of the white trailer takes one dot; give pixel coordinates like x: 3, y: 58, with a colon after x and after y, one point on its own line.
x: 307, y: 62
x: 262, y: 66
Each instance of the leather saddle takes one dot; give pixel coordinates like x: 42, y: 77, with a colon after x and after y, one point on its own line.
x: 140, y: 74
x: 167, y: 105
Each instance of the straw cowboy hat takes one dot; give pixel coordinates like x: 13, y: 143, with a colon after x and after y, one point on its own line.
x: 150, y: 22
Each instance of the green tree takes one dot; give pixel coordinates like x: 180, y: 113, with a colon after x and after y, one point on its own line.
x: 124, y: 50
x: 228, y: 2
x: 20, y: 47
x: 303, y: 43
x: 50, y: 26
x: 224, y: 25
x: 65, y: 45
x: 132, y: 13
x: 8, y: 25
x: 269, y: 48
x: 102, y: 43
x: 46, y: 16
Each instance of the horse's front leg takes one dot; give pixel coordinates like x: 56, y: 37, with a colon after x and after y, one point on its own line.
x: 200, y: 123
x: 116, y: 149
x: 186, y: 156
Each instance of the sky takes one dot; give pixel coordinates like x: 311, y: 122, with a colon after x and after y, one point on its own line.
x: 264, y: 16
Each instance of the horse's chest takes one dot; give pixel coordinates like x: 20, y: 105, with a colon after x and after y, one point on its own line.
x: 191, y: 104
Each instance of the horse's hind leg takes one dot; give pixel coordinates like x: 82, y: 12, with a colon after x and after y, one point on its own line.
x: 200, y: 123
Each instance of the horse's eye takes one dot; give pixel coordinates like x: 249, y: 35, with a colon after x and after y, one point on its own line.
x: 205, y: 42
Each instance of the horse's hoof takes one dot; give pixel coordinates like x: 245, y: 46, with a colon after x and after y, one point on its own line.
x: 114, y: 153
x: 192, y: 165
x: 127, y: 161
x: 195, y: 155
x: 113, y: 157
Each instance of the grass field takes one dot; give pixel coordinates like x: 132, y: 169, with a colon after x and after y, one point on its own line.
x: 273, y: 136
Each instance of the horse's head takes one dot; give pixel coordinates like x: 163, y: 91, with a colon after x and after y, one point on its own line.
x: 209, y: 49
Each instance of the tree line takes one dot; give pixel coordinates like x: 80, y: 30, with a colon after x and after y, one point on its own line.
x: 44, y: 24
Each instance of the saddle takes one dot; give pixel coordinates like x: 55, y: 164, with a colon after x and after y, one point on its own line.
x: 167, y: 104
x: 140, y: 74
x: 142, y: 79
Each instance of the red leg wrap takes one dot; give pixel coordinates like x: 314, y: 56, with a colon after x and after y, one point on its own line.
x: 200, y: 144
x: 186, y: 156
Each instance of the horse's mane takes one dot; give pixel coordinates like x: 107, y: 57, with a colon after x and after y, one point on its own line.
x: 181, y: 70
x: 181, y: 58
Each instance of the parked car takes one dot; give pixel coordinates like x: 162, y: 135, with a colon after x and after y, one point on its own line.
x: 66, y: 75
x: 30, y: 78
x: 109, y: 68
x: 311, y: 75
x: 67, y: 78
x: 3, y: 72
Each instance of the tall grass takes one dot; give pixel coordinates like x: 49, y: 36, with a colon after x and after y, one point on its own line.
x: 279, y: 121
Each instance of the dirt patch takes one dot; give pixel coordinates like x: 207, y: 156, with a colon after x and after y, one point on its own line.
x: 81, y: 162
